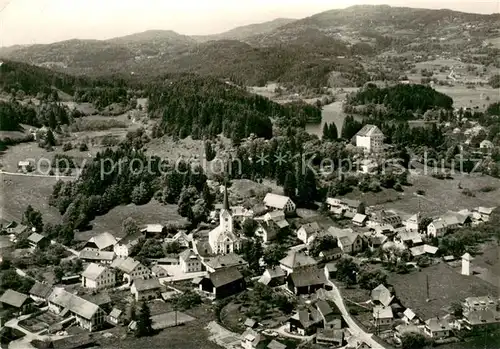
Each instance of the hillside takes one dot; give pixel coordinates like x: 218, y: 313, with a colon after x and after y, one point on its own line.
x: 243, y: 32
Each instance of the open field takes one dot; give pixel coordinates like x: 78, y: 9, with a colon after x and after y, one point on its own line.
x: 20, y: 191
x: 494, y: 41
x: 462, y: 96
x: 151, y: 213
x: 440, y: 195
x: 446, y: 286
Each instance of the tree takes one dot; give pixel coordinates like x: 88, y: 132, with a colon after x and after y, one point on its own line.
x: 144, y: 322
x: 369, y: 280
x: 209, y: 151
x: 415, y: 341
x: 50, y: 139
x: 130, y: 227
x: 252, y: 252
x: 248, y: 228
x: 322, y: 243
x: 306, y: 191
x: 347, y: 270
x: 290, y: 185
x: 273, y: 254
x: 33, y: 218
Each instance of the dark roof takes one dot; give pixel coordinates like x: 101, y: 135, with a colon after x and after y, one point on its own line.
x: 307, y: 277
x: 101, y: 298
x: 13, y: 298
x: 274, y: 344
x: 224, y: 276
x: 40, y: 290
x: 130, y: 239
x: 73, y: 342
x: 146, y: 285
x: 323, y: 307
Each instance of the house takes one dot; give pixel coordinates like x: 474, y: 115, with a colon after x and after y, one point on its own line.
x: 101, y: 242
x: 409, y: 316
x: 413, y: 223
x: 250, y: 323
x: 98, y: 277
x: 331, y: 320
x: 279, y: 202
x: 267, y: 231
x: 183, y: 239
x: 484, y: 212
x: 124, y: 246
x: 15, y: 300
x: 376, y: 241
x: 38, y: 241
x: 332, y: 254
x: 381, y: 295
x: 307, y: 231
x: 274, y: 344
x: 273, y: 277
x: 408, y: 239
x: 359, y: 219
x: 115, y: 317
x: 78, y: 341
x: 131, y: 269
x: 241, y: 214
x: 350, y: 243
x: 16, y: 229
x: 250, y: 339
x: 102, y: 257
x: 305, y: 322
x: 223, y: 239
x: 384, y: 229
x: 486, y: 145
x: 223, y: 282
x: 224, y: 261
x: 437, y: 228
x: 479, y: 303
x: 40, y: 292
x: 387, y: 217
x: 479, y: 318
x: 340, y: 206
x: 274, y: 216
x: 158, y: 271
x: 330, y: 337
x: 101, y: 299
x: 437, y: 328
x: 382, y: 315
x: 423, y: 249
x: 87, y: 315
x: 296, y: 260
x: 146, y: 289
x: 152, y: 230
x: 306, y: 280
x: 190, y: 262
x: 370, y: 138
x: 440, y: 226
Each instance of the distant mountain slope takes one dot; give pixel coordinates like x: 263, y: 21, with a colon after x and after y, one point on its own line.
x: 154, y: 42
x: 243, y: 32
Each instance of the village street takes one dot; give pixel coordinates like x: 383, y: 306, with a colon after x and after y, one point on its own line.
x: 335, y: 296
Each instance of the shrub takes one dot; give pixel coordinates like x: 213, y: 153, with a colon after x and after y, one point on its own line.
x: 67, y: 146
x: 83, y: 147
x: 468, y: 192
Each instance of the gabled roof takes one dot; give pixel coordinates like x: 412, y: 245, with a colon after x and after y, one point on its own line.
x: 100, y: 298
x: 308, y: 277
x: 296, y: 259
x: 251, y: 336
x: 382, y: 295
x: 126, y: 265
x: 73, y: 303
x: 382, y: 312
x: 359, y: 218
x: 339, y: 232
x: 486, y: 316
x: 225, y: 261
x: 410, y: 315
x: 115, y: 312
x: 93, y: 271
x: 153, y: 228
x: 324, y: 308
x: 224, y: 276
x: 311, y: 228
x: 436, y: 325
x: 276, y: 201
x: 36, y: 238
x: 188, y: 255
x: 147, y: 284
x: 97, y: 256
x: 40, y: 290
x: 369, y: 131
x: 308, y: 317
x: 249, y: 322
x: 130, y: 239
x: 103, y: 240
x: 420, y: 250
x: 13, y: 298
x: 274, y: 344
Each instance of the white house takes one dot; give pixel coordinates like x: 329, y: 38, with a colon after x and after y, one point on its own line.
x: 131, y: 269
x: 370, y: 138
x: 279, y: 202
x: 413, y: 223
x: 267, y: 231
x: 437, y: 328
x: 296, y: 260
x: 98, y: 277
x: 307, y: 232
x: 146, y: 289
x: 124, y: 246
x: 190, y: 262
x: 101, y: 242
x: 382, y: 315
x: 350, y: 243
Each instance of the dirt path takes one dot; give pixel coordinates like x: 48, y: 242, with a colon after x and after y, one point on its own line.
x: 35, y: 175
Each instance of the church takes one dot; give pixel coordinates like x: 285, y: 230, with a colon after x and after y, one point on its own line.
x: 222, y: 239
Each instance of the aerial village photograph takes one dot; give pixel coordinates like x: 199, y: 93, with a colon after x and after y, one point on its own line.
x: 249, y: 174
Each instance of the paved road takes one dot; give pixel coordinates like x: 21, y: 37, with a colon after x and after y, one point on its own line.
x: 357, y: 331
x: 36, y: 175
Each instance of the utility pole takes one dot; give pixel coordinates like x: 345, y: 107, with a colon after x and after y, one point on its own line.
x: 427, y: 287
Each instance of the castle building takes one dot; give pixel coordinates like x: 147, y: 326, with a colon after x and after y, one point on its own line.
x: 222, y: 239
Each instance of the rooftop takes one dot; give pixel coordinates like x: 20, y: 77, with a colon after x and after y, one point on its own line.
x: 40, y: 290
x: 296, y: 259
x: 97, y: 255
x: 93, y: 271
x: 147, y: 284
x: 13, y: 298
x: 224, y: 276
x: 126, y: 265
x: 276, y: 201
x: 369, y: 131
x: 73, y: 303
x: 103, y: 240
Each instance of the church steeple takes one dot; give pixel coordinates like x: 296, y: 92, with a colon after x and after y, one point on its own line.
x: 225, y: 204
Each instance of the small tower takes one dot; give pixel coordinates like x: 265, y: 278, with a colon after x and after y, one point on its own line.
x: 466, y: 258
x: 226, y: 217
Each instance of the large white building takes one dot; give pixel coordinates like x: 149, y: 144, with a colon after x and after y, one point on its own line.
x: 222, y: 239
x: 370, y: 138
x: 98, y: 277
